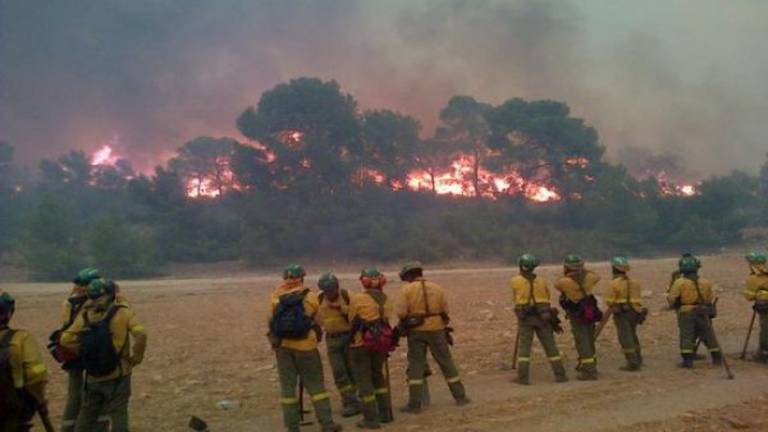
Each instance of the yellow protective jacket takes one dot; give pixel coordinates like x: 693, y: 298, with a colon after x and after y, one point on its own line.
x: 570, y: 287
x: 334, y: 315
x: 756, y: 287
x: 411, y: 303
x: 27, y: 368
x: 124, y: 326
x: 311, y: 308
x: 77, y: 296
x: 521, y: 291
x: 623, y: 290
x: 364, y: 307
x: 684, y: 292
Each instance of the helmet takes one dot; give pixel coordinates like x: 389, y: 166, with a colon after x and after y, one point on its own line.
x: 756, y: 257
x: 294, y: 271
x: 573, y: 262
x: 409, y: 267
x: 7, y: 307
x: 100, y: 287
x: 620, y: 263
x: 371, y: 274
x: 85, y: 276
x: 689, y: 264
x: 691, y: 256
x: 528, y: 262
x: 328, y: 282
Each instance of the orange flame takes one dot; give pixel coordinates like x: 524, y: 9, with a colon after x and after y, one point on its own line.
x: 105, y: 155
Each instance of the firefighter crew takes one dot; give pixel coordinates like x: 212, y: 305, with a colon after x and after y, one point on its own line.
x: 625, y: 300
x: 535, y: 315
x: 576, y: 287
x: 24, y: 373
x: 366, y: 309
x: 694, y: 299
x: 295, y: 345
x: 107, y: 392
x: 334, y: 316
x: 756, y: 291
x: 423, y: 309
x: 75, y: 373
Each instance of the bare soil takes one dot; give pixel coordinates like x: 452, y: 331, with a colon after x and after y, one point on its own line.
x: 207, y: 344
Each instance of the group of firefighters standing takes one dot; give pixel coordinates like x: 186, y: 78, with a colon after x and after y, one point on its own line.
x: 359, y: 339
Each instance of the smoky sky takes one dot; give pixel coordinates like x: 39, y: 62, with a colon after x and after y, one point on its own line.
x: 687, y: 78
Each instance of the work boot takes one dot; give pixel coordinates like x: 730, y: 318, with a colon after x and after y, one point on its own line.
x: 463, y: 401
x: 523, y: 373
x: 385, y: 410
x: 334, y: 427
x: 687, y: 362
x: 350, y: 405
x: 324, y: 416
x: 410, y: 409
x: 559, y: 370
x: 633, y: 364
x: 760, y: 356
x: 717, y: 358
x: 587, y: 373
x: 457, y: 390
x: 370, y: 417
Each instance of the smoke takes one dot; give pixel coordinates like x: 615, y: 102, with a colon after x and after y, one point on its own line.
x: 686, y: 78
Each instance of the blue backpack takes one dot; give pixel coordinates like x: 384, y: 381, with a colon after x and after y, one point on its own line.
x: 290, y: 320
x: 97, y: 350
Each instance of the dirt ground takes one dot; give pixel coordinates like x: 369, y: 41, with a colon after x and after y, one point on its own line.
x: 207, y: 344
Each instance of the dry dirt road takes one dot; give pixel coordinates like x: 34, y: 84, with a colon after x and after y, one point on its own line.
x: 207, y: 344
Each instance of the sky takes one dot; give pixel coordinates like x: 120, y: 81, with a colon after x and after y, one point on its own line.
x: 683, y: 77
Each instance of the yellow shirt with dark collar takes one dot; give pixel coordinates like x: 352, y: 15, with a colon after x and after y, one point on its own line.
x: 365, y: 307
x: 522, y: 288
x: 333, y: 315
x: 311, y: 308
x: 27, y: 368
x: 411, y: 302
x: 685, y: 290
x: 756, y: 287
x: 571, y: 289
x: 124, y: 326
x: 625, y: 291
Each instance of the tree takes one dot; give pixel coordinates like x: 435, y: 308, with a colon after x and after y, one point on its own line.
x: 121, y: 250
x: 71, y: 171
x: 205, y: 166
x: 52, y: 241
x: 312, y: 129
x: 390, y: 143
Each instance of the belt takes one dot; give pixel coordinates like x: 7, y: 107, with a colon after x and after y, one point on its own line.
x: 337, y: 335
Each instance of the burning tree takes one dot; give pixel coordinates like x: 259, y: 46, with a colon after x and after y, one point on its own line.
x: 204, y: 164
x: 390, y: 142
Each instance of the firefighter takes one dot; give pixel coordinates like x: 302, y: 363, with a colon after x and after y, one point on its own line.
x: 677, y: 275
x: 294, y: 336
x: 576, y: 287
x: 70, y: 309
x: 693, y: 299
x: 370, y: 310
x: 23, y: 375
x: 334, y: 316
x: 106, y: 326
x: 756, y: 291
x: 625, y: 300
x: 535, y: 315
x: 423, y: 310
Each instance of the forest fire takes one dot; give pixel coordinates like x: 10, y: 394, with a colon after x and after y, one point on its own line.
x: 104, y: 156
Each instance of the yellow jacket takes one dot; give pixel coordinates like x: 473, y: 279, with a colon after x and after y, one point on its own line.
x: 27, y: 368
x: 311, y: 307
x: 756, y: 287
x: 684, y: 289
x: 124, y: 327
x: 411, y: 303
x: 333, y: 315
x: 521, y: 290
x: 77, y: 295
x: 363, y: 306
x: 624, y: 290
x: 568, y: 286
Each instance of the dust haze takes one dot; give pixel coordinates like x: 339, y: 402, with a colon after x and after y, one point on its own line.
x: 684, y: 78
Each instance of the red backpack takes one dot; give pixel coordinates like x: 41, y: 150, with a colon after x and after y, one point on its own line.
x: 378, y: 335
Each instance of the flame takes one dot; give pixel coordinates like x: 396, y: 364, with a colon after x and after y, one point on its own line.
x: 669, y: 187
x: 105, y: 155
x: 213, y: 185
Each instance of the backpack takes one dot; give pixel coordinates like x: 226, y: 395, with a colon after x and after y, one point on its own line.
x: 97, y: 350
x: 586, y: 310
x: 290, y: 320
x: 378, y: 335
x: 12, y: 399
x: 62, y: 355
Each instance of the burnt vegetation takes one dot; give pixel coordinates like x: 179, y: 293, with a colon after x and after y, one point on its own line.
x: 315, y: 176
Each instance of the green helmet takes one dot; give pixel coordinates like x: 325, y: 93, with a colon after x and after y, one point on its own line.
x: 528, y: 262
x: 370, y: 272
x: 689, y: 264
x: 409, y: 267
x: 328, y: 282
x: 85, y: 276
x: 100, y: 287
x: 573, y: 262
x: 294, y: 271
x: 620, y: 263
x: 756, y: 257
x: 7, y: 306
